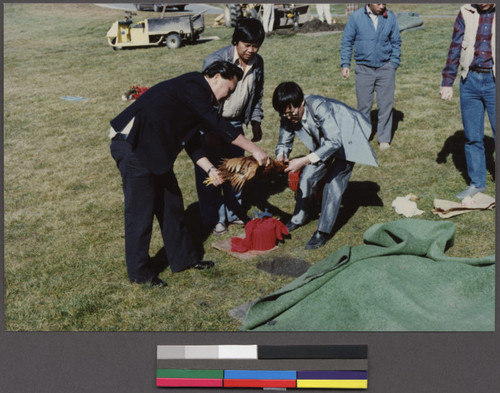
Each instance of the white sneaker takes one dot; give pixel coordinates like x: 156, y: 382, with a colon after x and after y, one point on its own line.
x: 470, y: 191
x: 384, y: 146
x: 219, y: 229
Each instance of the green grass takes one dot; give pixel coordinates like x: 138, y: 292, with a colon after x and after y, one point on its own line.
x: 64, y: 255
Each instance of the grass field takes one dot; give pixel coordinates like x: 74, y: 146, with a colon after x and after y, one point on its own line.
x: 64, y: 254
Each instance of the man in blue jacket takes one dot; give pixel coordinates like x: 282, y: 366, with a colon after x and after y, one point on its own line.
x: 336, y: 136
x: 373, y: 32
x: 221, y: 206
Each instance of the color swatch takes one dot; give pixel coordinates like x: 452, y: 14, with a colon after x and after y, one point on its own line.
x: 263, y: 366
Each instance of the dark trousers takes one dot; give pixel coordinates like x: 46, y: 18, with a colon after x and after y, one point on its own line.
x: 148, y: 195
x: 218, y: 204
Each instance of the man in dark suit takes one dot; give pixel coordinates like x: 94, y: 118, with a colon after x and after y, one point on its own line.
x: 146, y: 139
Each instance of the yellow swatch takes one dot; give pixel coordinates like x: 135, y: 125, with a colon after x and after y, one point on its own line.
x: 333, y: 383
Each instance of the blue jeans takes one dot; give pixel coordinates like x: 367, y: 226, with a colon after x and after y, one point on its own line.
x: 477, y: 94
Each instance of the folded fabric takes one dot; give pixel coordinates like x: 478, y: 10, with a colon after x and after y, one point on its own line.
x: 408, y: 21
x: 260, y: 234
x: 447, y: 209
x: 406, y: 207
x: 399, y: 280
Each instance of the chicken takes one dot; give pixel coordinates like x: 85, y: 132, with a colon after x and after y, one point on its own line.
x: 240, y: 170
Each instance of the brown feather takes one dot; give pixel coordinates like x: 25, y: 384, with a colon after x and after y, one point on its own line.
x: 238, y: 171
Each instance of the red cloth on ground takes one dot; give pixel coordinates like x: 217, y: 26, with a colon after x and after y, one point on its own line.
x: 260, y: 235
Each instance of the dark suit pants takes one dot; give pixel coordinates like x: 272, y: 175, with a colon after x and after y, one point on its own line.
x: 148, y: 195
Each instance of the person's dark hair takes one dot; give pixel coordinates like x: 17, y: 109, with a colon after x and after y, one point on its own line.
x: 248, y: 30
x: 226, y: 69
x: 286, y: 94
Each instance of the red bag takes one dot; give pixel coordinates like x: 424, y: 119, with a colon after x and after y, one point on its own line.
x: 293, y: 184
x: 260, y: 235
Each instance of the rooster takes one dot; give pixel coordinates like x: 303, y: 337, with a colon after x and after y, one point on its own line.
x: 240, y: 170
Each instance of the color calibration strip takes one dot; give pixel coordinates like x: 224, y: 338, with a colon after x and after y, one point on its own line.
x: 255, y: 358
x: 262, y: 352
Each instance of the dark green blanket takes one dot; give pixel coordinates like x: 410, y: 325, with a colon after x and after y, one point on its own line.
x: 400, y: 280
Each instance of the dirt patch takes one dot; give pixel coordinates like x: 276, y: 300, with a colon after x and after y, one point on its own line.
x: 284, y: 266
x: 316, y: 26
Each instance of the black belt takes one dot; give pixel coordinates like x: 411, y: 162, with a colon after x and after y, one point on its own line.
x: 481, y: 70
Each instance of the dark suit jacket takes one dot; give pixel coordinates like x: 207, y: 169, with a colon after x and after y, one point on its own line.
x: 168, y: 117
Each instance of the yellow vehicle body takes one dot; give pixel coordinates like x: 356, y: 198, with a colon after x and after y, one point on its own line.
x: 171, y: 31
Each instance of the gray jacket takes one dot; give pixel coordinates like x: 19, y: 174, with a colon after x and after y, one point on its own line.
x: 335, y: 130
x: 253, y: 110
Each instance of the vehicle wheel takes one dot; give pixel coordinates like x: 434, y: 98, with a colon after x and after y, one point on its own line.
x: 173, y: 41
x: 232, y: 12
x: 112, y: 42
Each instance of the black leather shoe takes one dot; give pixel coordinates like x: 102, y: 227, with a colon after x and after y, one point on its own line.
x: 157, y: 282
x: 202, y: 265
x: 318, y: 239
x: 291, y: 226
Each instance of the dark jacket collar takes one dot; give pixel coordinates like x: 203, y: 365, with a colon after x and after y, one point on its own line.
x: 492, y: 9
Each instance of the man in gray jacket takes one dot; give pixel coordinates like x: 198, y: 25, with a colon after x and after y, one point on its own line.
x: 220, y: 206
x: 336, y: 136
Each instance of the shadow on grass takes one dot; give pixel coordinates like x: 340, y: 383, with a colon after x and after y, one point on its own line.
x: 258, y: 192
x: 397, y: 116
x: 454, y: 147
x: 199, y: 233
x: 201, y: 41
x: 357, y: 194
x: 255, y: 193
x: 159, y: 261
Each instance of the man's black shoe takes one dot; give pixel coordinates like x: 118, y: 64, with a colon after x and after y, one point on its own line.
x: 202, y: 265
x: 317, y: 240
x: 291, y: 226
x: 157, y: 282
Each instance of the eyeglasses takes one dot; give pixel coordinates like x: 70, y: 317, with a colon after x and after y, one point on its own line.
x: 289, y: 114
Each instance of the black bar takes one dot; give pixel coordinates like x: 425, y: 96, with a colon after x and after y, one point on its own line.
x: 266, y: 364
x: 312, y: 351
